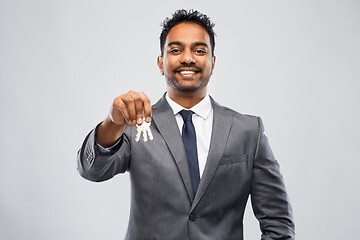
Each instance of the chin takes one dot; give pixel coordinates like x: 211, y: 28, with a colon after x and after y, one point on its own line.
x: 189, y: 88
x: 186, y: 85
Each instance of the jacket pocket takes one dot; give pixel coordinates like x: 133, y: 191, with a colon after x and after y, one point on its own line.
x: 234, y: 159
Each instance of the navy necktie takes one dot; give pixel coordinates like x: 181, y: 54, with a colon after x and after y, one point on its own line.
x: 189, y: 139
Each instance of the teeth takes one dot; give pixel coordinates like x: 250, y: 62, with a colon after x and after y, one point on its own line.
x: 187, y: 72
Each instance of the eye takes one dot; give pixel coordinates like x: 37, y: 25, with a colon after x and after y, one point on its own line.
x: 200, y: 51
x: 175, y: 51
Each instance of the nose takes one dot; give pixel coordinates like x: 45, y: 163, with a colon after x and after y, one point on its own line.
x: 187, y: 57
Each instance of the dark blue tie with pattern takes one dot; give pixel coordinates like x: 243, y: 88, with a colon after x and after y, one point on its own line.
x: 189, y: 139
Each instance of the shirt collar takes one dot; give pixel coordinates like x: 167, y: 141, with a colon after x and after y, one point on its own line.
x: 203, y: 108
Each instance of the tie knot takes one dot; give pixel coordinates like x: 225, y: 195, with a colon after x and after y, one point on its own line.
x: 186, y: 115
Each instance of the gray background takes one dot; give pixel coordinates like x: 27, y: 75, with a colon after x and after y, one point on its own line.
x: 294, y: 63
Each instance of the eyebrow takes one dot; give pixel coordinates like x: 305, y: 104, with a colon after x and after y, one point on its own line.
x: 194, y: 44
x: 174, y: 43
x: 200, y: 44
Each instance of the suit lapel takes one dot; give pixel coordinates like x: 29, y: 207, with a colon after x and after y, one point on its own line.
x: 164, y: 120
x: 220, y: 132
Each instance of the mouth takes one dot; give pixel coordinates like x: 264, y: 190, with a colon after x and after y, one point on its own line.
x: 187, y: 72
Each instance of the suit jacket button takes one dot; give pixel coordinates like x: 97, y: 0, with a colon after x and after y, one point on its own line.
x: 192, y: 217
x: 90, y: 157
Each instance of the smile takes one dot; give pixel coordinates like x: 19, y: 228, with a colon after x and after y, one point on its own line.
x: 187, y: 72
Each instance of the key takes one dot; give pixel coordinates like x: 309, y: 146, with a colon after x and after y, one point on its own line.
x: 144, y: 128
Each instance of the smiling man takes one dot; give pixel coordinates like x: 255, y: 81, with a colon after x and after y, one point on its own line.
x: 192, y: 181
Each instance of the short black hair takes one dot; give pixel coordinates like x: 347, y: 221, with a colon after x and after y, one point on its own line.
x: 183, y: 15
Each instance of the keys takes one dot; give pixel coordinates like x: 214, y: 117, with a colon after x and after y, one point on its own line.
x: 144, y: 128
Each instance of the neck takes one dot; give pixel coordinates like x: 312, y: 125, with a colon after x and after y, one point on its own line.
x: 187, y: 99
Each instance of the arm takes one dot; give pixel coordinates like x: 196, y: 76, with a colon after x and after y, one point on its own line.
x: 127, y: 110
x: 96, y: 165
x: 269, y: 198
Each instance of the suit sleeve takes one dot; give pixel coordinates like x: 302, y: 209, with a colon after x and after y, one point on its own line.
x: 96, y: 165
x: 269, y: 198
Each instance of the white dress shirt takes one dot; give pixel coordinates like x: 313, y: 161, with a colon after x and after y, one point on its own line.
x: 203, y: 121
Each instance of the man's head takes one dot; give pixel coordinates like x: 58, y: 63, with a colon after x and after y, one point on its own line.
x: 187, y: 59
x: 181, y: 16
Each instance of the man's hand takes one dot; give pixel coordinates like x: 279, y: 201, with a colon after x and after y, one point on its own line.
x: 128, y: 109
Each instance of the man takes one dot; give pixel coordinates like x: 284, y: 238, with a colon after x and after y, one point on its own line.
x: 192, y: 181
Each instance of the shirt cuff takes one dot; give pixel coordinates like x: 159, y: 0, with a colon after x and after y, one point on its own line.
x: 108, y: 149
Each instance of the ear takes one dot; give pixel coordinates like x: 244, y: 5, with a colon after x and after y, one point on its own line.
x: 160, y: 64
x: 213, y: 62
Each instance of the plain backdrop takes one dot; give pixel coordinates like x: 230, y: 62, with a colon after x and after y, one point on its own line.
x: 294, y: 63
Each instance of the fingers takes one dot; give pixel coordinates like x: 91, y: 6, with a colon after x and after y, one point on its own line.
x: 146, y: 107
x: 131, y: 108
x: 119, y: 113
x: 138, y: 107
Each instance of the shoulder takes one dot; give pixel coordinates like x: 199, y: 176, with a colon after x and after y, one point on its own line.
x: 239, y: 119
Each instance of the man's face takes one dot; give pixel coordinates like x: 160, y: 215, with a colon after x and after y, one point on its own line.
x: 187, y: 62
